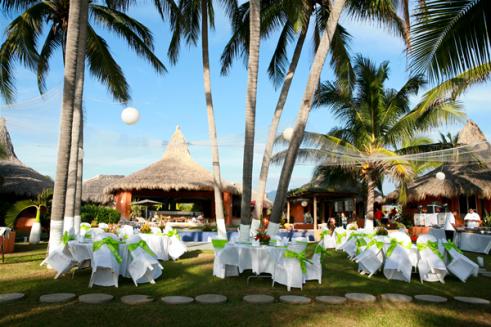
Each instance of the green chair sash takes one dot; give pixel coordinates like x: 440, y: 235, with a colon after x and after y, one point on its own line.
x: 433, y: 246
x: 141, y: 244
x: 300, y: 256
x: 394, y: 243
x: 67, y: 237
x: 339, y: 237
x: 449, y: 245
x: 378, y: 244
x: 85, y: 228
x: 219, y: 243
x: 111, y: 244
x: 172, y: 233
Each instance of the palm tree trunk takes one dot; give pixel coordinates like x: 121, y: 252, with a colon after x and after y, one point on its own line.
x: 268, y: 151
x: 78, y: 190
x: 77, y: 25
x: 370, y: 200
x: 250, y: 117
x: 212, y: 131
x: 303, y: 114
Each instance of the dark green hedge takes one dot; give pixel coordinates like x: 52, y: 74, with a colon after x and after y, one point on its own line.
x: 90, y: 212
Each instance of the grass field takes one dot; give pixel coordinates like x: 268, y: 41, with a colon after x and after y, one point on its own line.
x: 192, y: 276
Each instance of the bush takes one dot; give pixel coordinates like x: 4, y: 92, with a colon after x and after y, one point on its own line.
x: 90, y: 212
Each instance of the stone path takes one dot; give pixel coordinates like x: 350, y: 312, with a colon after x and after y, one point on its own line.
x: 10, y: 297
x: 95, y: 298
x: 431, y: 298
x: 136, y: 299
x: 471, y: 300
x: 396, y: 298
x: 360, y: 297
x: 177, y: 299
x: 57, y: 297
x: 211, y: 298
x: 295, y: 299
x: 331, y: 299
x: 258, y: 298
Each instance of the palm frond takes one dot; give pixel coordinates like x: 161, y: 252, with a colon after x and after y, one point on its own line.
x: 52, y: 42
x: 279, y: 61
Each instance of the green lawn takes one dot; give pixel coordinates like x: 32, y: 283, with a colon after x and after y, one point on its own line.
x: 192, y: 276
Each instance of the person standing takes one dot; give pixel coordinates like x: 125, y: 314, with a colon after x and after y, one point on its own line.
x: 344, y: 220
x: 472, y: 219
x: 450, y: 225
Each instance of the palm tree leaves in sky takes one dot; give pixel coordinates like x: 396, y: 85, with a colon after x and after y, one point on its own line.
x: 24, y: 33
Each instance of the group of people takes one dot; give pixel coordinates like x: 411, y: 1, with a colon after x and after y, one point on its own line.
x: 471, y: 219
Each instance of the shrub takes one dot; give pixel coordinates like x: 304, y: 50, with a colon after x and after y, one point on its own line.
x: 90, y: 212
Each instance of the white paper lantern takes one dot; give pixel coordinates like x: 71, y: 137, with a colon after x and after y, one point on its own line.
x: 288, y: 133
x: 130, y: 116
x: 304, y: 203
x: 440, y: 176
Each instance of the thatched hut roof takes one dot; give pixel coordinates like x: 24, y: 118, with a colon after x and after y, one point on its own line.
x: 16, y: 178
x: 320, y: 185
x: 93, y: 189
x: 175, y: 171
x: 460, y: 179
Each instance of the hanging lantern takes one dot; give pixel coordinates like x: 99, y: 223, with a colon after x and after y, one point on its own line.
x: 440, y: 175
x: 304, y: 203
x: 130, y: 116
x: 288, y: 134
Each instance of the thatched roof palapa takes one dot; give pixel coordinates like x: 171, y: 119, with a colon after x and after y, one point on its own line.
x: 175, y: 171
x: 16, y: 178
x: 93, y: 189
x: 460, y: 179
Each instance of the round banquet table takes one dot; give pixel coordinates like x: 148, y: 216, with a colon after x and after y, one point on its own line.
x: 261, y: 259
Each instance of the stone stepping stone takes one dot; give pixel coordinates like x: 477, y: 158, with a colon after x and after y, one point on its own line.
x: 431, y: 298
x: 177, y: 299
x: 11, y: 297
x: 295, y: 299
x: 211, y: 299
x: 360, y: 297
x: 136, y: 299
x: 56, y: 297
x: 396, y: 298
x: 331, y: 299
x: 258, y: 298
x: 471, y: 300
x: 95, y: 298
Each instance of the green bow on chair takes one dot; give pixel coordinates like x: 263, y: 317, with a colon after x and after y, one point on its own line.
x: 85, y: 228
x: 339, y: 237
x: 111, y: 244
x: 433, y: 246
x: 300, y: 256
x: 394, y: 243
x: 141, y: 244
x: 67, y: 237
x: 219, y: 243
x: 360, y: 241
x: 325, y: 232
x: 173, y: 232
x: 449, y: 245
x: 378, y: 244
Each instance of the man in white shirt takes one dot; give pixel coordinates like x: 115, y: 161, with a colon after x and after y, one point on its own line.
x: 472, y: 219
x: 450, y: 225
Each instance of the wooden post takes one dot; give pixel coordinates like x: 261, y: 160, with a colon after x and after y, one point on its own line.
x: 287, y: 211
x: 316, y: 232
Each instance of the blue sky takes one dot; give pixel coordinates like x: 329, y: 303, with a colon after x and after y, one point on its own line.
x: 176, y: 98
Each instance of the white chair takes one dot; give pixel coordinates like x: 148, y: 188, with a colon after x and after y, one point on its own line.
x: 431, y: 266
x: 158, y: 244
x: 103, y: 225
x: 105, y: 262
x: 176, y: 247
x: 340, y: 236
x: 126, y: 231
x: 84, y: 228
x: 156, y: 230
x: 328, y: 239
x: 288, y: 270
x: 371, y: 259
x: 60, y: 260
x: 398, y: 265
x: 460, y: 266
x: 226, y: 260
x: 144, y: 266
x: 314, y: 267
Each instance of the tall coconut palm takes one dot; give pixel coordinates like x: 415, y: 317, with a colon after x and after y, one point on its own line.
x: 293, y: 18
x: 370, y: 10
x: 187, y: 25
x: 375, y: 121
x: 21, y: 43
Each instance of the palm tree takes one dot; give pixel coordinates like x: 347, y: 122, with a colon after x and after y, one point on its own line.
x: 41, y: 202
x: 187, y: 25
x: 375, y: 121
x: 21, y: 43
x: 294, y: 18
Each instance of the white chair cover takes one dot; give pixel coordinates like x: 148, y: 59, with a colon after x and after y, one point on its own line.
x: 340, y: 235
x: 156, y: 230
x: 105, y: 267
x: 398, y: 265
x: 226, y: 259
x: 59, y: 260
x: 143, y: 267
x: 314, y: 269
x: 103, y: 225
x: 176, y: 247
x: 461, y: 266
x: 158, y: 244
x: 431, y: 266
x: 372, y: 258
x: 84, y: 228
x: 126, y: 231
x: 328, y: 241
x: 288, y: 271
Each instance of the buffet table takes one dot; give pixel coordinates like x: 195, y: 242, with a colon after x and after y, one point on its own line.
x: 474, y: 242
x: 429, y: 219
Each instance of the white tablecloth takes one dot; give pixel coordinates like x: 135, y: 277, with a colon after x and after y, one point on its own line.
x: 261, y: 259
x: 474, y: 242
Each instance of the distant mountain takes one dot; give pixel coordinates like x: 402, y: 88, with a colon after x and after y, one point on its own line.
x: 271, y: 195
